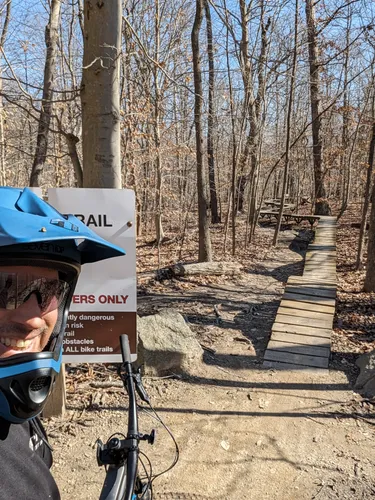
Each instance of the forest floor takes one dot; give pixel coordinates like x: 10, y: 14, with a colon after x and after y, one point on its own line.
x: 243, y: 431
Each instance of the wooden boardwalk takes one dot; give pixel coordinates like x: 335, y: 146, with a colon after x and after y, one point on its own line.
x: 301, y: 333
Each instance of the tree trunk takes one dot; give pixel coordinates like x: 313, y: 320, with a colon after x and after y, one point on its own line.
x: 321, y: 202
x: 366, y: 204
x: 158, y: 162
x: 345, y: 166
x: 199, y: 269
x: 288, y: 126
x: 250, y: 149
x: 3, y: 177
x: 72, y: 141
x: 215, y: 217
x: 205, y: 252
x: 232, y: 197
x: 370, y: 267
x: 100, y: 94
x: 51, y: 38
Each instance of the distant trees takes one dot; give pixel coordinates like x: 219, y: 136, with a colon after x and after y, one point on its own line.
x: 194, y: 108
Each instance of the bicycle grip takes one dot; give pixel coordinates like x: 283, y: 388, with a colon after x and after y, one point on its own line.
x: 125, y: 348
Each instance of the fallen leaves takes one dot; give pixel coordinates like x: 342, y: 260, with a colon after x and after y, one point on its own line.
x: 354, y: 327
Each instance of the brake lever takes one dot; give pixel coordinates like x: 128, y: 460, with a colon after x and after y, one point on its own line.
x: 141, y: 391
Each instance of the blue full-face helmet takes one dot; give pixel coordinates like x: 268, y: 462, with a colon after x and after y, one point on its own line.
x: 35, y: 235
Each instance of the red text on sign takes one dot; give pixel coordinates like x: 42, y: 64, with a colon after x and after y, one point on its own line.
x: 113, y: 299
x: 83, y: 299
x: 102, y: 299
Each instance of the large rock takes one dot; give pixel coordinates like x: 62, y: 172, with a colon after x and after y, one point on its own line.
x: 365, y: 383
x: 166, y: 344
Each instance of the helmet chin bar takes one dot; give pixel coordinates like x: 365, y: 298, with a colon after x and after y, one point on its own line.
x: 23, y: 395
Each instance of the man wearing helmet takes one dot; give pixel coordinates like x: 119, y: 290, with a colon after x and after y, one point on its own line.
x: 41, y: 253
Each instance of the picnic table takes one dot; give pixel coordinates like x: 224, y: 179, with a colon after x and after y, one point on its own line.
x: 287, y: 216
x: 276, y: 204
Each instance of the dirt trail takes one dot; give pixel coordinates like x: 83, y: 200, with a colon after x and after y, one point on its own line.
x: 253, y: 435
x: 243, y: 432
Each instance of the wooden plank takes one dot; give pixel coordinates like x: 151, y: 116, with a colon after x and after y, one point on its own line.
x: 294, y: 304
x: 330, y: 259
x: 325, y: 265
x: 324, y: 262
x: 320, y: 266
x: 318, y: 284
x: 312, y: 255
x: 309, y: 350
x: 305, y: 313
x: 321, y: 258
x: 320, y: 274
x: 303, y: 321
x: 302, y: 280
x: 302, y: 330
x: 296, y: 359
x: 320, y: 270
x: 321, y: 251
x: 325, y: 301
x: 306, y: 290
x: 274, y: 365
x: 316, y: 261
x: 311, y: 280
x: 324, y: 242
x: 301, y: 339
x: 325, y: 276
x: 325, y: 239
x: 313, y: 246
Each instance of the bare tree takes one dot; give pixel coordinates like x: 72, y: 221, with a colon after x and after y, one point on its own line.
x: 157, y: 109
x: 51, y: 38
x: 100, y: 94
x: 215, y: 217
x: 4, y: 32
x: 369, y: 285
x: 321, y: 202
x: 367, y: 195
x: 205, y: 252
x: 288, y: 125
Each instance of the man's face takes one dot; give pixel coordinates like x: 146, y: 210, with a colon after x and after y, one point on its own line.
x: 26, y: 328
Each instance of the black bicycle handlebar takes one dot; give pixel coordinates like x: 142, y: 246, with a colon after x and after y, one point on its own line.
x: 121, y: 456
x: 125, y: 349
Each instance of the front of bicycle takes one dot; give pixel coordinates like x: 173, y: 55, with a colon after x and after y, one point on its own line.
x: 120, y: 454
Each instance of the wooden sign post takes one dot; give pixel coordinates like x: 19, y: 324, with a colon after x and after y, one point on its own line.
x: 56, y: 403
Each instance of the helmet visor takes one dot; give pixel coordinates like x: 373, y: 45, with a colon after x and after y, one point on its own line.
x: 17, y: 288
